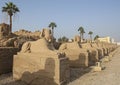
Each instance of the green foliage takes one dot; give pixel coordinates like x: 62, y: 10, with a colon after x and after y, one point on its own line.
x: 82, y: 31
x: 90, y: 33
x: 52, y: 25
x: 63, y: 39
x: 10, y: 8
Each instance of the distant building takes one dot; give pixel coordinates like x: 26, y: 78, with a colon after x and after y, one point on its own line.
x: 118, y: 43
x: 105, y: 39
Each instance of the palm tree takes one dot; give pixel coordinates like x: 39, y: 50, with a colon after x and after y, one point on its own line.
x: 81, y: 29
x: 90, y: 33
x: 52, y: 25
x: 10, y: 9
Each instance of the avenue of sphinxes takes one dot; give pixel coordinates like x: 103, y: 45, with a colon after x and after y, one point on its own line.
x: 33, y: 59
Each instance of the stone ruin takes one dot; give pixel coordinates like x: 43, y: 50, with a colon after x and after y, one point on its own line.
x: 92, y: 53
x: 28, y: 35
x: 78, y: 57
x: 77, y: 38
x: 7, y: 50
x: 101, y: 51
x: 4, y: 30
x: 38, y: 63
x: 25, y: 35
x: 85, y: 54
x: 6, y: 39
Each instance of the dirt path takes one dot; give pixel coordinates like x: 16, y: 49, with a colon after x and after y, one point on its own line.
x: 109, y: 76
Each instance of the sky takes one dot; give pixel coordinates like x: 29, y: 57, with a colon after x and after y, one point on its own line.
x: 102, y: 17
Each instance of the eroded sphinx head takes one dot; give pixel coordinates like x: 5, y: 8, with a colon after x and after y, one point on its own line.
x: 46, y: 33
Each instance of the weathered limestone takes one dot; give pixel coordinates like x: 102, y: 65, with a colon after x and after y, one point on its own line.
x: 39, y: 64
x: 77, y: 38
x: 78, y: 57
x: 6, y: 49
x: 4, y: 30
x: 107, y: 47
x: 6, y: 39
x: 106, y: 50
x: 100, y: 50
x: 97, y: 67
x: 46, y: 33
x: 6, y: 59
x: 24, y: 36
x: 35, y: 47
x: 93, y: 53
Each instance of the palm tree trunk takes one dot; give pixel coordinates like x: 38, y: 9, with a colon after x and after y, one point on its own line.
x: 91, y: 38
x: 52, y: 32
x: 80, y: 37
x: 10, y: 31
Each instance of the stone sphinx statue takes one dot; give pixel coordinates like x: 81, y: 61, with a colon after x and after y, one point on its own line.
x: 46, y: 33
x: 93, y: 53
x: 78, y: 57
x: 37, y: 46
x: 77, y: 38
x: 43, y: 43
x: 38, y: 56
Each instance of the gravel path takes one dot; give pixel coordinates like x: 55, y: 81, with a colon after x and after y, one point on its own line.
x: 109, y: 76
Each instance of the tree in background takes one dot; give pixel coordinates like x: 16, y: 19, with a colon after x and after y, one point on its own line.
x: 63, y: 39
x: 52, y: 25
x: 10, y: 9
x: 96, y: 37
x: 90, y: 33
x: 81, y: 30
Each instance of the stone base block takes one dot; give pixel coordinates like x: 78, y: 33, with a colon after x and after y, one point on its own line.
x: 96, y: 69
x: 77, y: 58
x: 41, y: 68
x: 6, y: 59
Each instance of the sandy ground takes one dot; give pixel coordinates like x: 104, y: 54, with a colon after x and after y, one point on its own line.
x: 109, y: 76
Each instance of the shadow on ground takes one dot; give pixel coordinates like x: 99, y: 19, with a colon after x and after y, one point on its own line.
x: 76, y: 73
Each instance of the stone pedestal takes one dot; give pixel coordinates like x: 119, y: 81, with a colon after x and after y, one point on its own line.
x: 43, y: 68
x: 97, y: 67
x: 93, y: 53
x: 6, y: 59
x: 78, y: 57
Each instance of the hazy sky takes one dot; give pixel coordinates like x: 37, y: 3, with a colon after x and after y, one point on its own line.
x: 100, y: 16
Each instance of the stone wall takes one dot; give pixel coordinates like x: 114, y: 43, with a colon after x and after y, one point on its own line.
x: 6, y: 59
